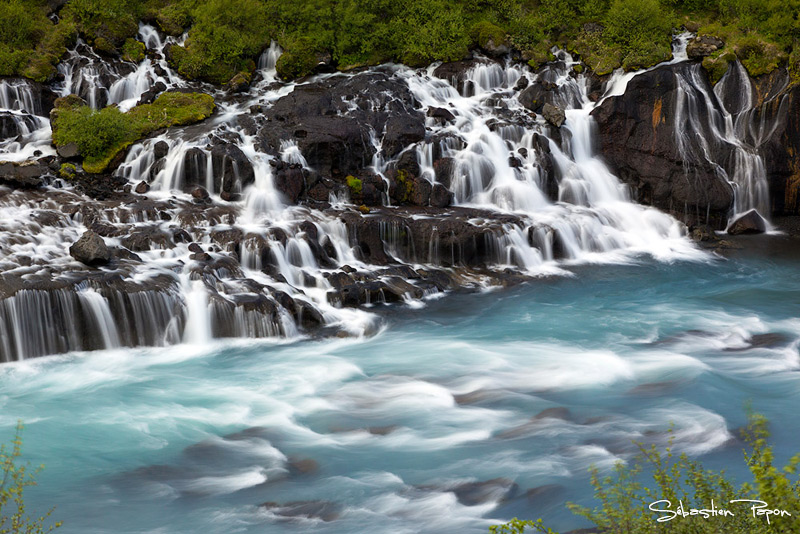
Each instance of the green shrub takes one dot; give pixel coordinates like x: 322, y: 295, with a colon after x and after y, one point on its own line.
x: 625, y: 501
x: 102, y: 135
x: 14, y: 517
x: 105, y: 23
x: 297, y: 60
x: 354, y: 184
x: 227, y: 35
x: 642, y: 29
x: 485, y: 31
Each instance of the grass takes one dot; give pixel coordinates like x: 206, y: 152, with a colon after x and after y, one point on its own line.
x: 102, y: 135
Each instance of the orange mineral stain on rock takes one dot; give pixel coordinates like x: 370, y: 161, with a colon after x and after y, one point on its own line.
x: 657, y: 118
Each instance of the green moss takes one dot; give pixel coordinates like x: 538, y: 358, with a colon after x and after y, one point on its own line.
x: 67, y: 171
x: 107, y: 24
x: 297, y: 60
x: 717, y: 64
x: 603, y: 58
x: 30, y: 44
x: 102, y: 135
x: 484, y: 31
x: 133, y: 51
x: 539, y: 55
x: 354, y: 184
x: 758, y: 55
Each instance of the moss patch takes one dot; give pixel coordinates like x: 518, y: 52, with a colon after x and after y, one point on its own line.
x: 354, y: 184
x: 102, y: 135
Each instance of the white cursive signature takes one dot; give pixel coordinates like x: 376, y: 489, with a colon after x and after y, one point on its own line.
x: 758, y: 509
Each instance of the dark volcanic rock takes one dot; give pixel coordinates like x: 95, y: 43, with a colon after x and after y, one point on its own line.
x: 331, y: 122
x: 637, y: 138
x: 90, y: 249
x: 749, y: 223
x: 537, y: 95
x: 28, y: 174
x: 456, y: 72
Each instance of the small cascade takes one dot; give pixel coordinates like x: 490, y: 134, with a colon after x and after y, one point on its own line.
x: 19, y: 95
x: 715, y: 127
x: 24, y: 131
x: 267, y: 61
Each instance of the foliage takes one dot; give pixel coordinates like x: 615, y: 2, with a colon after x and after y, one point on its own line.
x: 102, y: 135
x: 354, y: 184
x: 133, y: 50
x: 226, y: 35
x: 30, y: 44
x: 625, y: 501
x: 15, y: 478
x: 641, y: 28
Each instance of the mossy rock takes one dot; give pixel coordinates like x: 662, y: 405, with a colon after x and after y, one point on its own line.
x: 133, y: 51
x: 717, y: 64
x: 103, y: 46
x: 102, y: 135
x: 484, y: 31
x: 67, y: 171
x: 601, y: 57
x: 296, y: 61
x: 647, y: 56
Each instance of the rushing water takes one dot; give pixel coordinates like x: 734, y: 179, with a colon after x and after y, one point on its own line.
x: 193, y: 438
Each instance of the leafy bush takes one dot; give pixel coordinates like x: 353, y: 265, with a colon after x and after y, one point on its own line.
x: 105, y: 23
x: 642, y: 29
x: 625, y: 502
x: 102, y: 135
x: 226, y: 35
x: 15, y: 478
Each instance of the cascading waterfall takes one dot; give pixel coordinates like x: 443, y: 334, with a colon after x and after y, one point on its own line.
x: 566, y: 205
x: 719, y: 132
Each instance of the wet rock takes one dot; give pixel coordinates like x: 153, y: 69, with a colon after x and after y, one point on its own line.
x: 194, y: 247
x: 160, y: 149
x: 142, y: 188
x: 554, y: 115
x: 749, y: 223
x: 441, y: 197
x: 290, y: 181
x: 144, y: 238
x: 68, y: 151
x: 90, y: 249
x: 537, y: 95
x: 200, y: 194
x: 494, y: 490
x: 304, y: 466
x: 331, y: 121
x: 443, y: 169
x: 232, y: 169
x: 456, y: 73
x: 521, y: 84
x: 149, y: 96
x: 29, y: 174
x: 637, y: 139
x: 441, y: 114
x: 703, y: 45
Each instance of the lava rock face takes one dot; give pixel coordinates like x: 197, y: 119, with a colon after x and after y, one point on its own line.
x: 638, y: 140
x: 332, y: 122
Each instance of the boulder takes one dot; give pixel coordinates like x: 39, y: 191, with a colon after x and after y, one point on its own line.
x: 160, y: 149
x: 536, y: 95
x: 703, y: 45
x: 90, y: 249
x: 748, y: 223
x: 68, y: 151
x: 554, y: 115
x: 29, y: 174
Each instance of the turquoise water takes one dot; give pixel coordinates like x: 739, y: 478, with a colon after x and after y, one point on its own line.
x: 193, y: 439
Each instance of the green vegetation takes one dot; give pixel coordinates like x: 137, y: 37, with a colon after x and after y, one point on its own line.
x: 625, y: 501
x: 15, y: 478
x: 225, y: 37
x: 102, y: 135
x: 354, y: 184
